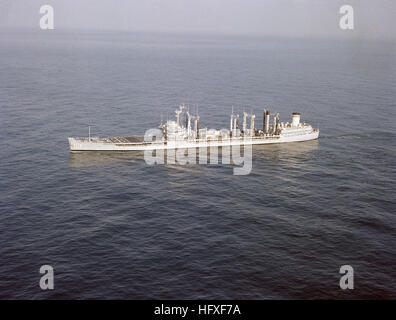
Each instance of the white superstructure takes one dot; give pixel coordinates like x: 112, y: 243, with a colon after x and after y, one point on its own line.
x: 176, y: 134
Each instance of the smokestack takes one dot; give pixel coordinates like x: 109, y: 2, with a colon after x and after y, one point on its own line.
x: 295, y: 119
x: 267, y: 120
x: 197, y: 127
x: 264, y: 120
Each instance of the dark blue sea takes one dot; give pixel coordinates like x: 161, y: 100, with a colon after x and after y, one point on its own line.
x: 114, y: 227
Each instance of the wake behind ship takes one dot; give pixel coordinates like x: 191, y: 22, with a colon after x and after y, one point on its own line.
x: 178, y: 134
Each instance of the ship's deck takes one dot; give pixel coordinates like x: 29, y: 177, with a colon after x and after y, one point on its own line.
x: 139, y: 140
x: 132, y: 139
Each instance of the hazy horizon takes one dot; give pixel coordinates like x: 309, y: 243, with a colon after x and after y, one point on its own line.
x: 293, y: 18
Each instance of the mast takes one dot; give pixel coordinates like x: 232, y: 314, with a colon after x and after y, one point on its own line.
x: 232, y: 119
x: 252, y: 116
x: 245, y: 115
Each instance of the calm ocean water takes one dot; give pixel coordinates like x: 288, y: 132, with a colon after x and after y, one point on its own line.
x: 114, y: 227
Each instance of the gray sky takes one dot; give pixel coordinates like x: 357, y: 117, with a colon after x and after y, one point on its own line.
x: 373, y: 18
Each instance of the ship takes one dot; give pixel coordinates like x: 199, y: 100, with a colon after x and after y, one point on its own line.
x: 185, y: 132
